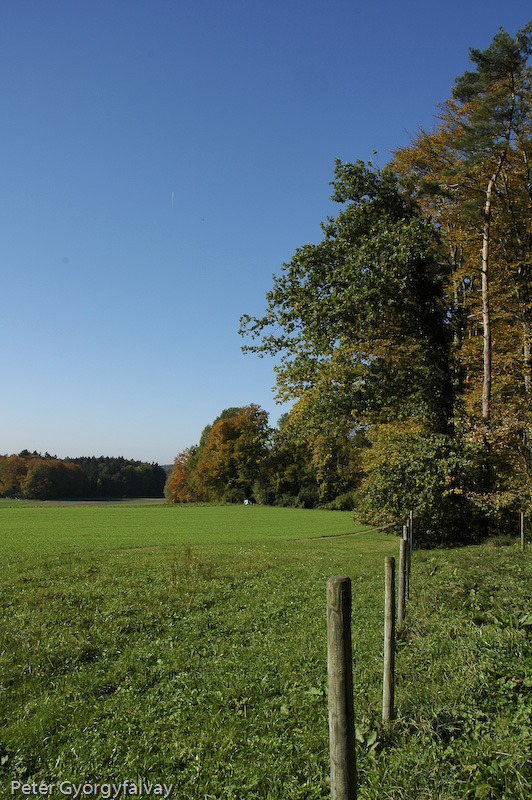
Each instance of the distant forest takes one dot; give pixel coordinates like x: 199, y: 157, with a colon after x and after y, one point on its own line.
x: 36, y: 477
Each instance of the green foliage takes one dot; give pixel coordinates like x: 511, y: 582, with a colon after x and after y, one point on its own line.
x: 408, y: 391
x: 37, y: 477
x: 431, y: 473
x: 472, y: 174
x: 357, y: 319
x: 288, y: 477
x: 398, y: 321
x: 51, y: 479
x: 119, y: 477
x: 494, y: 78
x: 359, y: 323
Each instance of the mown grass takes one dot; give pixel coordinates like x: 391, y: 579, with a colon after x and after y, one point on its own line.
x: 34, y: 530
x: 188, y: 645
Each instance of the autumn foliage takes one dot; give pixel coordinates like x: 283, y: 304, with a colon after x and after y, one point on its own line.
x: 228, y: 461
x: 178, y: 488
x: 404, y: 337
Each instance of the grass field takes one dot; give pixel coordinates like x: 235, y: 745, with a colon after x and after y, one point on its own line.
x: 187, y: 645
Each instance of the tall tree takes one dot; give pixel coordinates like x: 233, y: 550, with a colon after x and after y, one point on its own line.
x: 358, y: 319
x: 492, y: 123
x: 465, y: 163
x: 230, y: 456
x: 473, y: 179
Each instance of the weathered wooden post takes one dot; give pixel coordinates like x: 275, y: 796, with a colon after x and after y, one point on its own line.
x: 408, y: 555
x: 522, y: 530
x: 401, y: 605
x: 340, y: 680
x: 389, y: 639
x: 410, y: 523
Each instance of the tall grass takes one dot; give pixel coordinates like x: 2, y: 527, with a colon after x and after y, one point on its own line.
x: 188, y: 645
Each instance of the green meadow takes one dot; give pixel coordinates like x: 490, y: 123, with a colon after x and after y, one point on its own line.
x: 187, y: 645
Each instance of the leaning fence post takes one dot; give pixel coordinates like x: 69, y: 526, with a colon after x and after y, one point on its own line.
x: 402, y: 584
x: 340, y: 681
x: 389, y: 639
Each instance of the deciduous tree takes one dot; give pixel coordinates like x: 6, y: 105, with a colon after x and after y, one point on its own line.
x: 178, y: 488
x: 357, y: 319
x: 231, y: 455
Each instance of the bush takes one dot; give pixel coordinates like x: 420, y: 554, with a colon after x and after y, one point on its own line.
x: 344, y: 502
x: 307, y: 498
x: 430, y: 473
x: 234, y: 495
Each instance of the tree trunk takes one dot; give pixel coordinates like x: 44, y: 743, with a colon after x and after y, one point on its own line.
x: 486, y: 319
x: 527, y: 361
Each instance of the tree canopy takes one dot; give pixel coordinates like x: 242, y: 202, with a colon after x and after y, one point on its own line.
x: 358, y: 319
x: 226, y: 463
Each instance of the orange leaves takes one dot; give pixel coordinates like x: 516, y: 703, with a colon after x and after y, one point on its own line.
x: 227, y: 462
x: 178, y: 488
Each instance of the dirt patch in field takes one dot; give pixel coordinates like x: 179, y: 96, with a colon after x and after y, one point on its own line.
x: 339, y: 535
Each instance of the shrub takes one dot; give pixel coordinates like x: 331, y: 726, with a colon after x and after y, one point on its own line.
x: 407, y: 468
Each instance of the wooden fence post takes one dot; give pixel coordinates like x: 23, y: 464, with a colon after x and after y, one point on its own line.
x: 340, y: 680
x: 389, y: 639
x: 401, y: 605
x: 522, y: 530
x: 408, y: 555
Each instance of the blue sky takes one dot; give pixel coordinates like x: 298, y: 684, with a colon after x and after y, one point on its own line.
x: 161, y: 159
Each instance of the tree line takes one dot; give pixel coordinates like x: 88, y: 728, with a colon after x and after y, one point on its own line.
x: 37, y: 477
x: 404, y: 337
x: 241, y: 457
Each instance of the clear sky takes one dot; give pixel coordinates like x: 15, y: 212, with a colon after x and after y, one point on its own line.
x: 161, y: 159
